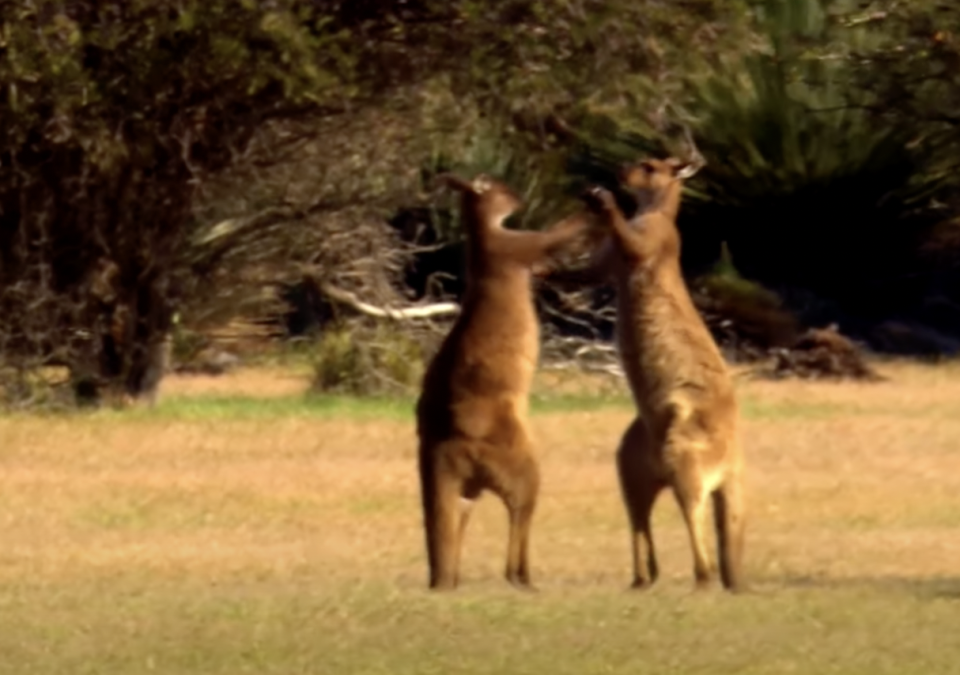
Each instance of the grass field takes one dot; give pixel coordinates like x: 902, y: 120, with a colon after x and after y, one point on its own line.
x: 242, y: 528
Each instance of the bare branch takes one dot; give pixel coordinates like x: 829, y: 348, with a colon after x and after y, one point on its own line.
x: 421, y: 312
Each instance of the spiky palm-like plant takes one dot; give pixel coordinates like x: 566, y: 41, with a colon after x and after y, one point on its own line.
x: 491, y: 147
x: 806, y: 187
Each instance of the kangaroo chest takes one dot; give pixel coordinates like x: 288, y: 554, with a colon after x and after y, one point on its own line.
x: 661, y: 347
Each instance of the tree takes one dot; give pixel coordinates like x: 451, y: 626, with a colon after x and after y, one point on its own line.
x: 910, y: 66
x: 115, y: 114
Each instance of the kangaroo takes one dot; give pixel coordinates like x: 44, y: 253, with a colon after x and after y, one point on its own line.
x: 472, y: 412
x: 685, y: 436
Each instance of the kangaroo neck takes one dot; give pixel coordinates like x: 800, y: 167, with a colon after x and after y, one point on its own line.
x: 481, y: 231
x: 666, y: 202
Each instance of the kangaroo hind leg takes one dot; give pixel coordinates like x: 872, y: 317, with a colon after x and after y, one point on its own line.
x: 441, y: 490
x: 519, y: 488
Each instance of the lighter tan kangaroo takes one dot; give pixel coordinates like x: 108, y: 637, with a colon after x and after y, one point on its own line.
x: 472, y: 412
x: 685, y: 436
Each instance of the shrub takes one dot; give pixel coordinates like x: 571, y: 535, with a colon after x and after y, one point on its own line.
x: 362, y: 360
x: 745, y: 317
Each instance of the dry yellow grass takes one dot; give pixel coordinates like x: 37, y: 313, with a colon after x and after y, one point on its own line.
x: 290, y: 542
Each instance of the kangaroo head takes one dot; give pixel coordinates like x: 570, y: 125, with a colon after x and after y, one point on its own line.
x: 656, y: 174
x: 490, y: 201
x: 656, y: 182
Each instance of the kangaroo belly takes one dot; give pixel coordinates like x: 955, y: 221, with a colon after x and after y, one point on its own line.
x: 477, y: 387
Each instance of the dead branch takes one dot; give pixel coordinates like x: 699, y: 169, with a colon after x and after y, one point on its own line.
x: 421, y: 312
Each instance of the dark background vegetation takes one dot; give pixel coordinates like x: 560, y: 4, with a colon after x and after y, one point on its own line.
x: 177, y: 173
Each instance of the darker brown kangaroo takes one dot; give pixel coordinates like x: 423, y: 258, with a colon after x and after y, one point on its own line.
x: 472, y: 412
x: 685, y: 436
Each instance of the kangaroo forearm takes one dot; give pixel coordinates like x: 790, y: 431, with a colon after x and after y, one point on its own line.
x: 564, y: 232
x: 531, y: 248
x: 620, y: 227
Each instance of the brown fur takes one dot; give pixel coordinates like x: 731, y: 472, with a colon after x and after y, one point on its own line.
x: 472, y: 413
x: 685, y: 436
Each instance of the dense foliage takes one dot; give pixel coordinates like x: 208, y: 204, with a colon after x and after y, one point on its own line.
x: 112, y: 114
x: 161, y: 157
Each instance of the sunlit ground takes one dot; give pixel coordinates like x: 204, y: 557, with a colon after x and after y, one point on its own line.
x: 243, y: 528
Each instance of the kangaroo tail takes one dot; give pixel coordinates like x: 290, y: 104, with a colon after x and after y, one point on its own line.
x: 728, y: 511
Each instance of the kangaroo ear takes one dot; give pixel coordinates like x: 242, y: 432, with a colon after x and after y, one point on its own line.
x: 481, y: 183
x: 683, y: 170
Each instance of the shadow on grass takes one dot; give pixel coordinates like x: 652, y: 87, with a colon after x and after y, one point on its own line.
x: 927, y: 588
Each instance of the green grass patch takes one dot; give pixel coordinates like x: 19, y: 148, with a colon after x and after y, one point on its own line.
x: 286, y: 626
x: 401, y: 408
x: 218, y: 407
x: 757, y: 409
x: 326, y: 406
x: 236, y: 407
